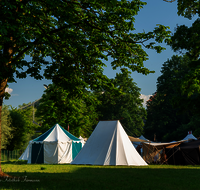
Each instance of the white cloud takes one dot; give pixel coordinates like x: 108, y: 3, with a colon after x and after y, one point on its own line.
x: 145, y: 98
x: 9, y: 90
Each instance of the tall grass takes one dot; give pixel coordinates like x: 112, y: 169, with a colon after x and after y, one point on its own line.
x: 82, y: 177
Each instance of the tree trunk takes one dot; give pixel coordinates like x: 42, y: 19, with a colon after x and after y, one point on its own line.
x: 3, y: 84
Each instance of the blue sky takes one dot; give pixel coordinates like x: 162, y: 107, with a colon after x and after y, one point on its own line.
x: 155, y: 12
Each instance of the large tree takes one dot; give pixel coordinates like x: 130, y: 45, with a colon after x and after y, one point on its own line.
x: 174, y: 109
x: 77, y: 112
x: 77, y: 35
x: 22, y: 125
x: 122, y: 102
x: 187, y: 8
x: 165, y: 118
x: 186, y: 40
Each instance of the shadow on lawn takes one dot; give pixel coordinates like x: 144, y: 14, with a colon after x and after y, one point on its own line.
x: 16, y: 162
x: 86, y: 178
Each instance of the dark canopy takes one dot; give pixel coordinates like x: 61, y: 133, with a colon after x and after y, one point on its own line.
x: 184, y: 154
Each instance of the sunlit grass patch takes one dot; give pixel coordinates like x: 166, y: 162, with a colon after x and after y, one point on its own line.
x: 66, y: 176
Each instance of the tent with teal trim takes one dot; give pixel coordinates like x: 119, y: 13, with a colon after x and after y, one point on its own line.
x: 56, y: 146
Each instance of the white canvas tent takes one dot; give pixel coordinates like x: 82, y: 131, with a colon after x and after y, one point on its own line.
x: 26, y: 153
x: 82, y: 140
x: 190, y: 136
x: 56, y: 146
x: 109, y: 145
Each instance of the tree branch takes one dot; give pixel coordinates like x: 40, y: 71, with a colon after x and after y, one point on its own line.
x: 169, y: 1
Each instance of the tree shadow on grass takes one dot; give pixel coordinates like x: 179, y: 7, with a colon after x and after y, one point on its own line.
x: 100, y: 178
x: 16, y: 162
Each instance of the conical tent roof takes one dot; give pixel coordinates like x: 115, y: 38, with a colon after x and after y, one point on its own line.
x: 56, y: 133
x: 143, y: 138
x: 190, y: 136
x: 109, y: 145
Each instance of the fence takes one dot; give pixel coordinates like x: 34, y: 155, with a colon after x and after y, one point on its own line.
x: 10, y: 155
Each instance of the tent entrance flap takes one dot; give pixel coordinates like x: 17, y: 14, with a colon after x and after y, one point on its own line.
x: 150, y: 150
x: 76, y: 147
x: 37, y: 154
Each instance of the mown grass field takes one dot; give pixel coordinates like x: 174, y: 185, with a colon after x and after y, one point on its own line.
x: 81, y: 177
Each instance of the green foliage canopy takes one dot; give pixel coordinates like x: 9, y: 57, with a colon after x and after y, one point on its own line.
x: 59, y: 106
x: 165, y: 116
x: 170, y: 112
x: 73, y: 33
x: 76, y: 35
x: 122, y: 102
x: 186, y: 40
x: 187, y: 8
x: 23, y: 128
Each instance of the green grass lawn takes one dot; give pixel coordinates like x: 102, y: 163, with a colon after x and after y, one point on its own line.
x: 82, y: 177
